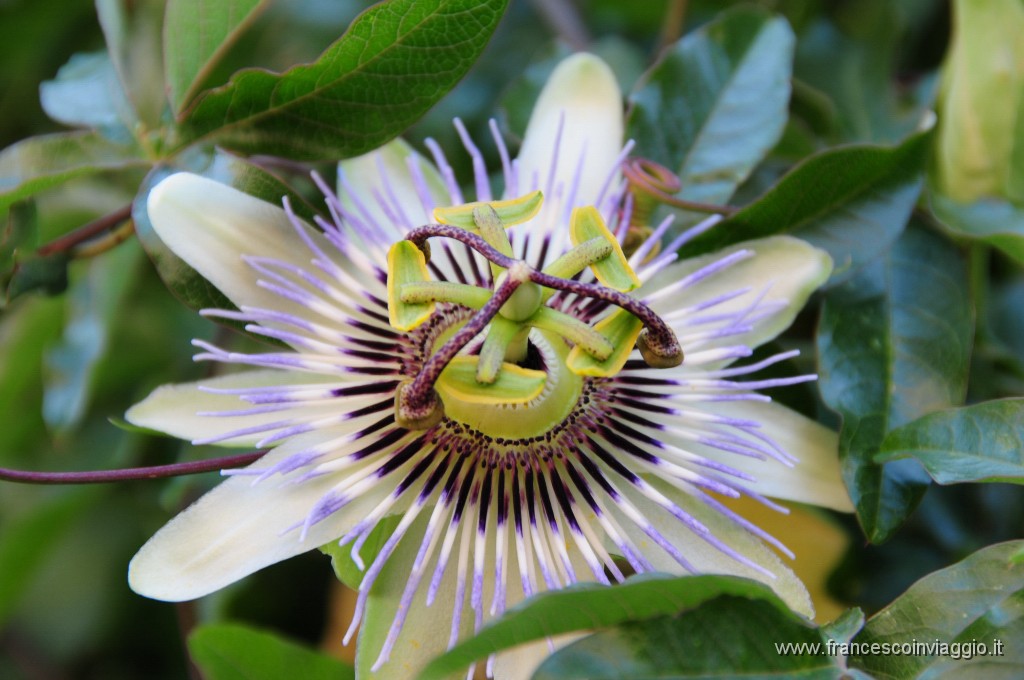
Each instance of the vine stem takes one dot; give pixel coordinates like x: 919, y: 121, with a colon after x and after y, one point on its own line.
x: 86, y: 232
x: 128, y: 474
x: 672, y: 26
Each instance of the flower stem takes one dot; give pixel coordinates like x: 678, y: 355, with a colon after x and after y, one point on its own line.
x: 127, y: 474
x: 86, y: 232
x: 672, y: 26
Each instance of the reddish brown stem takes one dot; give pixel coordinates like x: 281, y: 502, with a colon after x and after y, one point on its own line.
x: 128, y: 474
x: 86, y: 231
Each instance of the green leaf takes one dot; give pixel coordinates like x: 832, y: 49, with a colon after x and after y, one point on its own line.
x: 226, y: 651
x: 853, y: 60
x: 723, y: 638
x: 87, y: 93
x: 894, y: 344
x: 197, y: 33
x: 852, y: 201
x: 995, y: 222
x: 26, y: 541
x: 46, y: 273
x: 133, y: 30
x: 26, y: 330
x: 396, y: 60
x: 92, y: 308
x: 587, y: 606
x: 975, y: 601
x: 38, y: 163
x: 716, y: 103
x: 18, y: 233
x: 979, y: 443
x: 185, y: 282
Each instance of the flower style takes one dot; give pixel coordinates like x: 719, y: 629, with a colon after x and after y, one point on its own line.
x: 468, y: 369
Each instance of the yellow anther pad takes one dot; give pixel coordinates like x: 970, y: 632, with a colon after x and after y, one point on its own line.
x: 406, y: 264
x: 613, y: 271
x: 513, y: 384
x: 511, y: 211
x: 621, y: 329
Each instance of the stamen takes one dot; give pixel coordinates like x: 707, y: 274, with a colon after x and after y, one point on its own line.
x: 417, y: 405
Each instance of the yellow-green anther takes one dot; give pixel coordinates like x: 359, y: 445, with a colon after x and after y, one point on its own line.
x: 612, y: 271
x: 406, y: 264
x: 492, y: 355
x: 513, y: 385
x: 572, y: 262
x: 491, y: 228
x: 573, y: 330
x: 511, y: 211
x: 463, y: 294
x: 622, y: 329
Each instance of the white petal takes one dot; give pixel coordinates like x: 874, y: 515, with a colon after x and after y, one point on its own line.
x: 237, y: 529
x: 814, y: 479
x: 173, y: 408
x: 790, y: 270
x: 385, y: 201
x: 704, y: 557
x: 382, y: 178
x: 426, y: 631
x: 212, y: 226
x: 581, y: 98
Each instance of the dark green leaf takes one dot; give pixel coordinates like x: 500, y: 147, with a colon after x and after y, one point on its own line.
x: 48, y: 274
x: 589, y: 606
x: 133, y: 30
x: 38, y: 163
x: 854, y: 61
x: 396, y: 60
x: 27, y: 539
x: 727, y: 637
x: 977, y: 601
x: 26, y: 330
x: 852, y: 201
x: 983, y: 442
x: 996, y: 222
x: 19, y: 231
x: 87, y: 93
x: 197, y: 33
x: 93, y: 304
x: 716, y: 103
x: 226, y: 651
x: 185, y: 282
x: 894, y: 344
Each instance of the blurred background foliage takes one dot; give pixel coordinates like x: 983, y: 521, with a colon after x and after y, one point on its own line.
x: 90, y: 336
